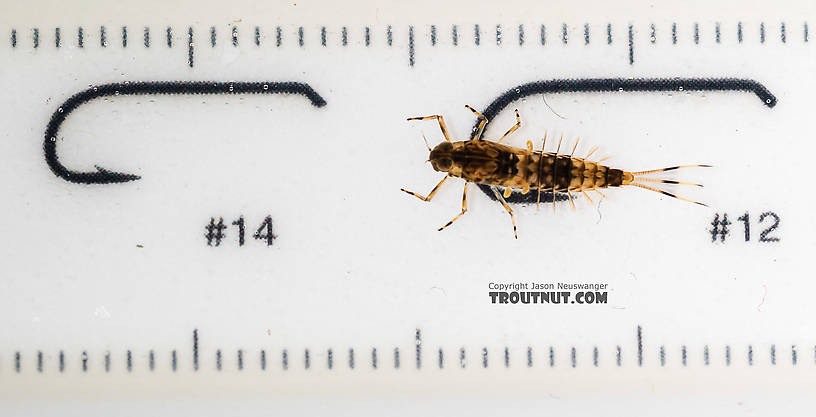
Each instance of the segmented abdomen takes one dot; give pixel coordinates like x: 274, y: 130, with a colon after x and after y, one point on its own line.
x: 548, y: 171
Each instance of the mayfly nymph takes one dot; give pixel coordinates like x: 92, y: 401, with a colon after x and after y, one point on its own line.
x: 496, y: 165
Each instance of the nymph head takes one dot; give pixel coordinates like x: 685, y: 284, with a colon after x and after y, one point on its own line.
x: 441, y: 157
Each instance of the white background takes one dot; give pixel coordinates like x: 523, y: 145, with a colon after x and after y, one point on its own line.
x: 359, y: 264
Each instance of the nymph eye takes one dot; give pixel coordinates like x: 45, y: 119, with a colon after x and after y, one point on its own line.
x: 444, y: 147
x: 444, y: 164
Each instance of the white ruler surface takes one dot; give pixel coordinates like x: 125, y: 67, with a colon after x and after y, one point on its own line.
x: 201, y: 210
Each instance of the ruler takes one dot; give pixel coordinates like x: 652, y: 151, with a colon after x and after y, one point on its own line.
x: 202, y: 209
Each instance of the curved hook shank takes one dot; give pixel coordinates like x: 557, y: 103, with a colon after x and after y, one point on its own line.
x: 103, y: 176
x: 600, y: 85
